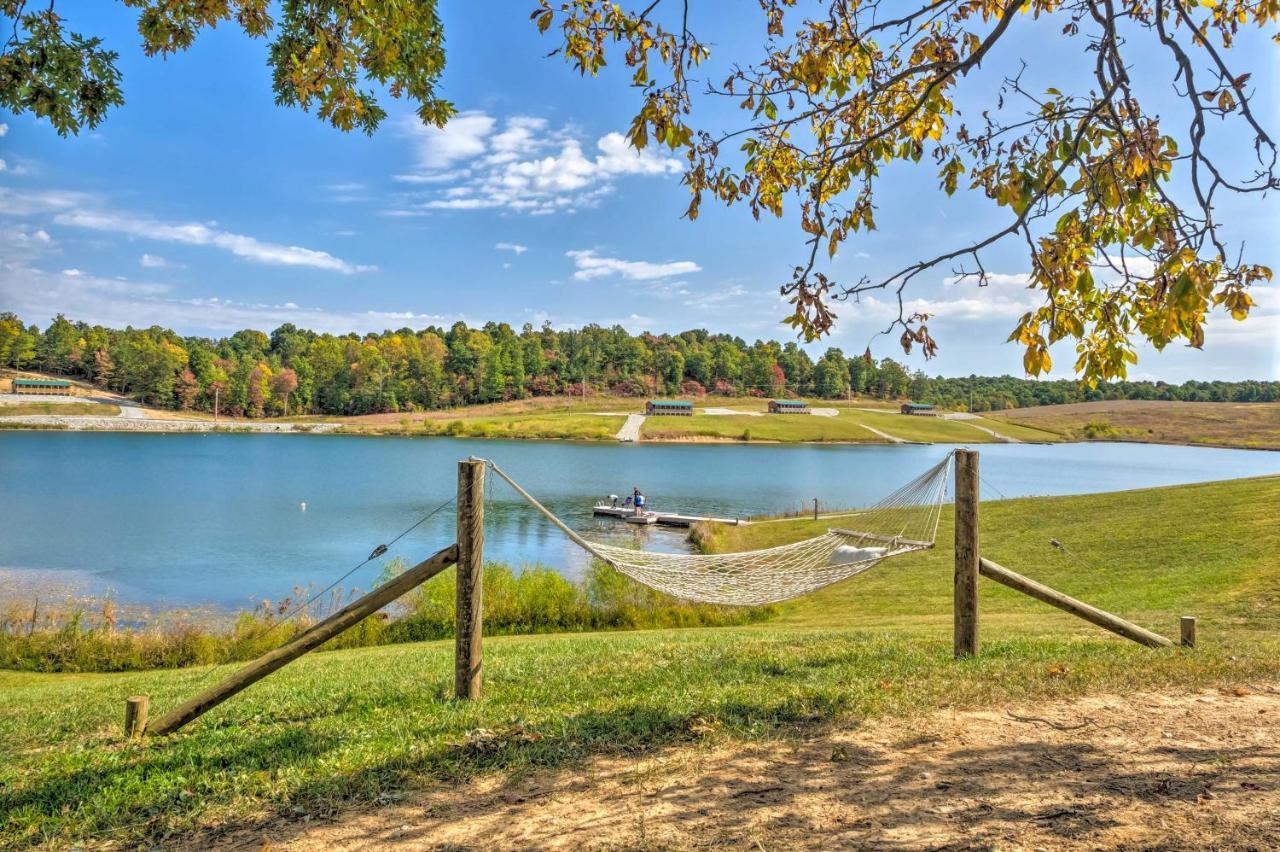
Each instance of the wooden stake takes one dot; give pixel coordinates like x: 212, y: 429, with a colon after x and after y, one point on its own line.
x: 967, y: 554
x: 470, y: 600
x: 1091, y: 614
x: 1188, y: 625
x: 135, y: 716
x: 349, y: 616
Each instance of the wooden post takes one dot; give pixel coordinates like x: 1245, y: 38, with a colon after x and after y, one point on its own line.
x: 1091, y: 614
x: 135, y: 716
x: 349, y: 616
x: 815, y: 508
x: 1188, y: 625
x: 470, y: 600
x: 967, y: 554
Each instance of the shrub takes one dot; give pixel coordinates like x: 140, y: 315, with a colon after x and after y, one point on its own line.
x: 1095, y: 429
x: 536, y: 599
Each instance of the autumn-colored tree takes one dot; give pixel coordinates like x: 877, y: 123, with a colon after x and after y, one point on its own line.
x: 1115, y: 207
x: 103, y: 368
x: 283, y: 383
x: 259, y: 390
x: 186, y: 389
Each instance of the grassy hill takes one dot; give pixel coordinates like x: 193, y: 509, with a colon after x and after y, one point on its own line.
x: 599, y: 418
x: 1225, y: 424
x: 358, y: 725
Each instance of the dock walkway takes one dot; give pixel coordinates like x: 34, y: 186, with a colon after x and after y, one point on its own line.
x: 666, y: 519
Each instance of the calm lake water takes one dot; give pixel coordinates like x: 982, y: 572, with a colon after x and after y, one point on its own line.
x: 172, y: 519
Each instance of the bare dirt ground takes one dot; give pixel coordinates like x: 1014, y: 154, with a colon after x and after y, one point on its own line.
x: 1148, y: 771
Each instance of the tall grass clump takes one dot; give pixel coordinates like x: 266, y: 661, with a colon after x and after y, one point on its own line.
x: 91, y: 638
x: 538, y: 599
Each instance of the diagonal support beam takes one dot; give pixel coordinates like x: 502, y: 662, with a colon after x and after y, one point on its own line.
x: 344, y: 619
x: 1080, y: 609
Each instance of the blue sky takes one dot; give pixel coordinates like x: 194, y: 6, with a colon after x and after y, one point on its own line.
x: 202, y: 206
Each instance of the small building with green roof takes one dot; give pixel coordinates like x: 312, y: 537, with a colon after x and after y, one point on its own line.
x: 668, y: 406
x: 42, y: 387
x: 788, y: 406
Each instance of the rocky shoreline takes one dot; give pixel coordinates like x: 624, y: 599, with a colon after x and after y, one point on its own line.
x: 121, y: 424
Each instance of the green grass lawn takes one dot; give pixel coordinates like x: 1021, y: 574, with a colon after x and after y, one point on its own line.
x: 848, y: 425
x: 66, y: 409
x: 565, y: 425
x: 1015, y: 430
x: 355, y: 726
x: 777, y: 427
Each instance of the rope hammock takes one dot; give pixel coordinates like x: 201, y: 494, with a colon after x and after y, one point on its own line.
x: 903, y: 522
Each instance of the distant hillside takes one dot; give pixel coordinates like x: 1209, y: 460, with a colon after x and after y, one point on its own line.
x: 295, y: 371
x: 1211, y: 423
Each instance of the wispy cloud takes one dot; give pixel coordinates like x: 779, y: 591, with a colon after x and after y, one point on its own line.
x: 521, y: 165
x: 195, y: 234
x: 153, y: 261
x: 590, y: 266
x: 512, y: 247
x: 4, y: 129
x: 41, y: 201
x: 24, y: 243
x: 37, y: 295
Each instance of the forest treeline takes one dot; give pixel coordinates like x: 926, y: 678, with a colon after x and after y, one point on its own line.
x: 294, y: 371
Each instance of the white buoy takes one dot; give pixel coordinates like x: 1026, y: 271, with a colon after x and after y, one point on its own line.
x: 303, y: 504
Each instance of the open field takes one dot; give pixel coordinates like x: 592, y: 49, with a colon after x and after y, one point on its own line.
x: 363, y: 726
x: 1253, y: 425
x: 849, y: 425
x: 61, y: 409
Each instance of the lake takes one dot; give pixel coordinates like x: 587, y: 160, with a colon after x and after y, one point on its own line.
x: 185, y: 519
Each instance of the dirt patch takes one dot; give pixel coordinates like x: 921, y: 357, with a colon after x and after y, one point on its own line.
x: 1199, y: 770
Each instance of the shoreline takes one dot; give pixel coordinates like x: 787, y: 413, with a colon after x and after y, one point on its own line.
x: 71, y: 423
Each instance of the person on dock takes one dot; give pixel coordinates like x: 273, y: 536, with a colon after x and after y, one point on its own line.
x: 638, y: 500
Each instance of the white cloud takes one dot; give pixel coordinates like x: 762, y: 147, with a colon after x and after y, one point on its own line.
x: 590, y: 265
x: 249, y: 248
x: 4, y: 167
x: 717, y: 298
x: 36, y: 295
x: 4, y: 129
x: 513, y: 247
x: 463, y: 138
x: 20, y: 243
x: 434, y: 177
x: 35, y: 202
x: 153, y: 261
x: 998, y: 279
x: 525, y: 166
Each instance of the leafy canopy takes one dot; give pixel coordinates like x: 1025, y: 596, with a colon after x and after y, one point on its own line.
x: 323, y: 56
x: 1115, y: 208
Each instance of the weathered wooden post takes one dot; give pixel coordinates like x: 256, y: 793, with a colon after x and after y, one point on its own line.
x: 1188, y: 625
x: 968, y: 554
x: 470, y: 599
x: 135, y: 716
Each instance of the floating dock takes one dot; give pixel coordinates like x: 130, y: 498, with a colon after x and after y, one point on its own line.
x: 666, y: 519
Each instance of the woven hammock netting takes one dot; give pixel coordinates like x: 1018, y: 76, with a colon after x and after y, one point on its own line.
x: 903, y: 522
